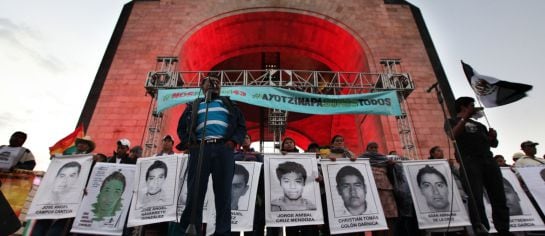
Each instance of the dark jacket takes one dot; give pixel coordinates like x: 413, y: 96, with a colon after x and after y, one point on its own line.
x: 125, y: 159
x: 236, y: 129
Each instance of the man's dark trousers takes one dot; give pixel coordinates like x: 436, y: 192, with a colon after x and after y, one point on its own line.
x: 218, y: 160
x: 484, y: 171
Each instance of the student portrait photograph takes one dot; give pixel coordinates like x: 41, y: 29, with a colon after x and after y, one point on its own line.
x: 432, y: 188
x: 292, y: 182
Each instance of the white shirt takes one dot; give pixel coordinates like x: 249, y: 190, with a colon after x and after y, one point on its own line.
x: 526, y: 161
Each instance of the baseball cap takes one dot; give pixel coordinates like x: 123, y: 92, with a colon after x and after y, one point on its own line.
x: 518, y: 155
x: 168, y: 137
x: 527, y: 143
x: 124, y: 142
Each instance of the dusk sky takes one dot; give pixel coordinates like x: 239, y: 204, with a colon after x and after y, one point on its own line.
x: 50, y: 54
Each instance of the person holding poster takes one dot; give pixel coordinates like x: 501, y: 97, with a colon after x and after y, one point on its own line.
x: 218, y: 124
x: 292, y: 177
x: 14, y: 155
x: 59, y: 196
x: 166, y: 146
x: 529, y: 158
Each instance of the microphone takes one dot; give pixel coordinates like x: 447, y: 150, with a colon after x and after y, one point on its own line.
x: 432, y: 87
x: 213, y: 84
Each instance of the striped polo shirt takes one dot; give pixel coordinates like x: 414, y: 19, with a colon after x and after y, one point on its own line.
x: 218, y: 116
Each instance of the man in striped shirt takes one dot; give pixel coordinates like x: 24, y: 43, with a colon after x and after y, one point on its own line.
x: 225, y: 128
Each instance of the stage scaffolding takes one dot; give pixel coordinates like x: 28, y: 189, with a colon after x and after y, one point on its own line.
x: 165, y: 76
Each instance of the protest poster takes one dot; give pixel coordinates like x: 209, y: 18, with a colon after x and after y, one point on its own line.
x: 522, y: 214
x: 353, y: 203
x: 182, y: 189
x: 534, y: 178
x: 435, y: 195
x: 104, y: 209
x: 60, y: 192
x: 16, y: 186
x: 155, y: 196
x: 10, y: 156
x: 243, y: 197
x: 292, y: 194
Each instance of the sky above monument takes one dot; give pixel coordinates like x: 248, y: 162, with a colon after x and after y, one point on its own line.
x: 50, y: 54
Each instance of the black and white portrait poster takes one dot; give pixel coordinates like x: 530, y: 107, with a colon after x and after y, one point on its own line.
x: 182, y: 186
x: 353, y: 203
x: 61, y: 190
x: 522, y: 214
x: 243, y: 195
x: 292, y: 195
x: 155, y: 196
x: 534, y: 178
x: 436, y: 198
x: 104, y: 209
x: 182, y: 189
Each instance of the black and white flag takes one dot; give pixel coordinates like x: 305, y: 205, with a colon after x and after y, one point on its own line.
x: 493, y: 92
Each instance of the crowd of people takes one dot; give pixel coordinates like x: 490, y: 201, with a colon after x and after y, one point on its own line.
x: 225, y: 141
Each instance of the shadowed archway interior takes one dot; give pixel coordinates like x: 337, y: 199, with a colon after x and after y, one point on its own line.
x: 283, y: 40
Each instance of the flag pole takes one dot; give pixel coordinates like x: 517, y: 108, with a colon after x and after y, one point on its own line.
x: 476, y: 224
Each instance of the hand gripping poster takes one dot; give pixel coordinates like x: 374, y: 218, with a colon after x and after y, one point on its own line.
x: 534, y: 178
x: 156, y: 192
x: 104, y: 208
x: 436, y: 199
x: 60, y: 192
x: 292, y: 194
x: 353, y: 203
x: 243, y: 197
x: 522, y: 214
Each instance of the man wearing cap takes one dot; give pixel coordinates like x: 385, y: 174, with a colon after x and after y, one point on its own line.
x: 529, y: 159
x: 14, y: 155
x: 474, y: 141
x: 121, y: 155
x: 225, y: 128
x: 167, y: 146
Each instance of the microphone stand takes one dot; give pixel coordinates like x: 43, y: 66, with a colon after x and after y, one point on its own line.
x: 191, y: 228
x: 480, y: 229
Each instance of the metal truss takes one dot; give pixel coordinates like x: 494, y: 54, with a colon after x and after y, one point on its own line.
x: 318, y: 82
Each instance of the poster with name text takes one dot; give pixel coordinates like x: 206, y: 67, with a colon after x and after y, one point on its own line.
x: 61, y: 190
x: 522, y: 214
x: 353, y: 203
x: 292, y: 194
x: 534, y: 178
x: 155, y: 196
x: 109, y: 192
x: 436, y: 199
